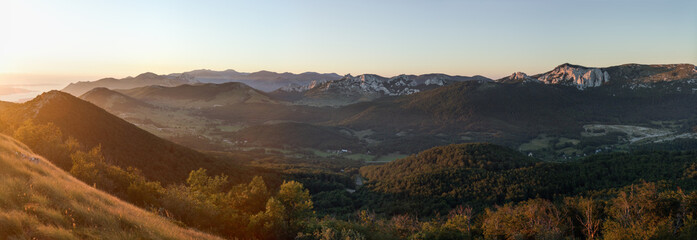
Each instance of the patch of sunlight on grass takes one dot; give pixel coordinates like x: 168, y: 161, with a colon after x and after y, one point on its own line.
x: 40, y: 201
x: 52, y: 232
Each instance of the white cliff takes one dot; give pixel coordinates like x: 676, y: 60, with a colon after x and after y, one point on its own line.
x: 578, y: 76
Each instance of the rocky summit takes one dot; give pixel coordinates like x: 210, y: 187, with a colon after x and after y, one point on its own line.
x: 573, y: 75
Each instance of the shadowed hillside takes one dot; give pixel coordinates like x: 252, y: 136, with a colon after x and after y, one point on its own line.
x: 199, y: 95
x: 144, y: 79
x: 123, y: 143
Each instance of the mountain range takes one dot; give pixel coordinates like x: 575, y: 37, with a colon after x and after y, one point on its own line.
x: 409, y: 113
x: 367, y: 87
x: 145, y: 79
x: 427, y: 146
x: 263, y: 80
x: 628, y: 75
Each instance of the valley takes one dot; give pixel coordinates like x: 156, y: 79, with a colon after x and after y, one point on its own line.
x: 227, y: 149
x: 556, y: 120
x: 348, y: 120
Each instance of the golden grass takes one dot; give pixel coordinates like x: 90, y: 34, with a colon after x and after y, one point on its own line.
x: 40, y: 201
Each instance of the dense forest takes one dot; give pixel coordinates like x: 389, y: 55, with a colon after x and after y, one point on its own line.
x: 464, y: 191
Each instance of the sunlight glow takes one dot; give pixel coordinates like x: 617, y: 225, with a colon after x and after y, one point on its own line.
x: 491, y: 38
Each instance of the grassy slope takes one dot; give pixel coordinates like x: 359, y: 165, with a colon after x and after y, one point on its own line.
x: 40, y: 201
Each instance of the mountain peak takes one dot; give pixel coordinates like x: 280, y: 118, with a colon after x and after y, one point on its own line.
x: 575, y: 75
x: 147, y: 75
x: 574, y: 66
x: 518, y: 76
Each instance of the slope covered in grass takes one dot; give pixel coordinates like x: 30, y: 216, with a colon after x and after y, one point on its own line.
x: 40, y: 201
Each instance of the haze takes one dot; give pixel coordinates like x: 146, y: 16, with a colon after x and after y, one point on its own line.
x: 65, y: 41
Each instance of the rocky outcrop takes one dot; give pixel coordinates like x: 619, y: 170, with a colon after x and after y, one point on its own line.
x: 371, y: 84
x: 518, y: 77
x: 294, y: 87
x: 366, y: 87
x: 631, y: 76
x: 573, y: 75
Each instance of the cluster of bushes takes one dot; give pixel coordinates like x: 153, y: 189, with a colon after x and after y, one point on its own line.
x: 637, y: 212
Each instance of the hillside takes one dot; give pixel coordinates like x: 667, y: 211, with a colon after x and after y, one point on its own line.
x: 512, y: 113
x: 40, y: 201
x: 198, y: 95
x: 300, y: 135
x: 114, y: 101
x: 123, y: 143
x: 145, y: 79
x: 455, y: 156
x: 484, y: 174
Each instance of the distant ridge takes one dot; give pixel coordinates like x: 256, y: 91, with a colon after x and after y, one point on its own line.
x: 144, y: 79
x: 262, y: 80
x: 199, y: 95
x: 629, y: 75
x: 367, y: 87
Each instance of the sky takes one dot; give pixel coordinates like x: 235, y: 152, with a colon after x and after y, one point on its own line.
x: 59, y: 41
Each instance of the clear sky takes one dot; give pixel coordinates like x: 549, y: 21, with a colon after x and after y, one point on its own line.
x: 53, y: 40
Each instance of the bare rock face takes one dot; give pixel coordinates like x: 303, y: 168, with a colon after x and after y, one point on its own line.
x: 573, y: 75
x: 294, y: 87
x: 518, y: 76
x: 436, y: 81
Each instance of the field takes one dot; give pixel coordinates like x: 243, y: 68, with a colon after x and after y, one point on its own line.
x: 596, y: 138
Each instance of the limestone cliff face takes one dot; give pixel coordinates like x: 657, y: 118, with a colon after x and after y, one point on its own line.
x: 573, y: 75
x: 518, y: 76
x: 628, y: 75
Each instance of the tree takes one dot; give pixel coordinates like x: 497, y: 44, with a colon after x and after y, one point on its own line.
x: 633, y: 214
x: 537, y: 218
x: 144, y: 193
x: 271, y: 224
x: 47, y: 140
x: 460, y: 218
x: 404, y: 225
x: 287, y: 214
x: 590, y: 221
x: 86, y: 165
x: 298, y: 206
x: 250, y: 198
x: 199, y: 181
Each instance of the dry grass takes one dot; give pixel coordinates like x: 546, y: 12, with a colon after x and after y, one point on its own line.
x: 40, y: 201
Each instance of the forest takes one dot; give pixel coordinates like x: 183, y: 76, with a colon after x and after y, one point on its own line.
x: 475, y: 191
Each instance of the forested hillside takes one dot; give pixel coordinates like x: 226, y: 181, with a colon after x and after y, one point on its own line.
x: 482, y: 174
x: 55, y: 117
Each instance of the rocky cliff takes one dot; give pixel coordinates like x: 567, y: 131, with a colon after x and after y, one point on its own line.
x: 574, y: 75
